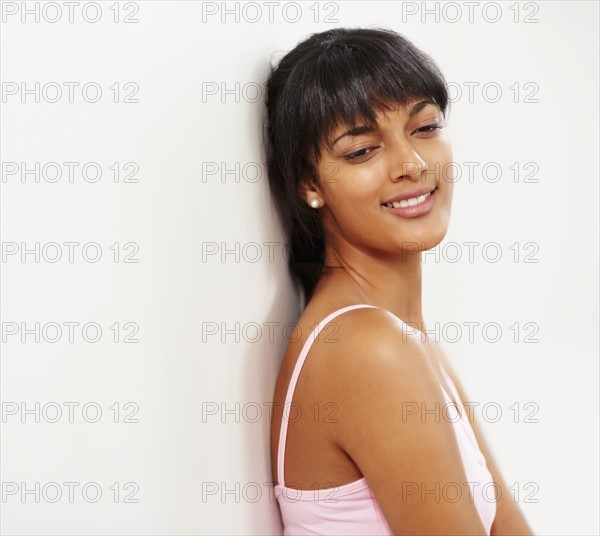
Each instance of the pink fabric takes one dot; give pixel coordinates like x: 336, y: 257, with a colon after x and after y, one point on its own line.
x: 352, y: 509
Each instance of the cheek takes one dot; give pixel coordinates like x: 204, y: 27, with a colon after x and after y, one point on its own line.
x: 439, y: 162
x: 449, y: 172
x: 329, y: 173
x: 356, y: 185
x: 439, y: 151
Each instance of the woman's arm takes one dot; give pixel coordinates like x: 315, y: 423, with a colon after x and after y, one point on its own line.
x: 509, y: 518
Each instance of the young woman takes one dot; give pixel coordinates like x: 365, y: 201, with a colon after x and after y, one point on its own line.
x: 372, y: 436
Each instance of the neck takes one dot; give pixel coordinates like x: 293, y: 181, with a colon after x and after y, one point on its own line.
x: 393, y: 284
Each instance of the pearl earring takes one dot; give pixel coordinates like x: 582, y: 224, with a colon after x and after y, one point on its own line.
x: 314, y: 203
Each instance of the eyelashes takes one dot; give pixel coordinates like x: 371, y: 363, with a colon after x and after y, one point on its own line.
x: 431, y: 127
x: 358, y: 154
x: 362, y: 153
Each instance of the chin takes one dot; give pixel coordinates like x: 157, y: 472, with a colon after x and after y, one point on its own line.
x: 427, y: 239
x: 430, y: 244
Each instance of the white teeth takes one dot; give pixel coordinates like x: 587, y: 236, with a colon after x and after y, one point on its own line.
x: 408, y: 202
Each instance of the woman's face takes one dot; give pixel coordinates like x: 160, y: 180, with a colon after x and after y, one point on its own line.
x: 363, y: 168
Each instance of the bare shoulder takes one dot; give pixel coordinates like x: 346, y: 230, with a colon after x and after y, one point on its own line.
x: 379, y: 371
x: 373, y: 343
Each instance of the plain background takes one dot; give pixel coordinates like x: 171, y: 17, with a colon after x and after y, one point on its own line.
x: 202, y: 190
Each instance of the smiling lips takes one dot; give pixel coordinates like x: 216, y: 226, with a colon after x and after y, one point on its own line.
x: 411, y: 205
x: 408, y: 202
x: 410, y: 198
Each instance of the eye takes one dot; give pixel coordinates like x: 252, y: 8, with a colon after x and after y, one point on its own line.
x: 357, y: 155
x: 428, y: 129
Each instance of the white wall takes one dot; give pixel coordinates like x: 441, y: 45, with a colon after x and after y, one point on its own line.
x: 190, y: 472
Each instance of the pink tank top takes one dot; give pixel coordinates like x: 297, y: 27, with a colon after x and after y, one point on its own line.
x: 352, y: 509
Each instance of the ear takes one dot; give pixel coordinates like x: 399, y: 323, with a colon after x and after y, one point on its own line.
x: 309, y: 192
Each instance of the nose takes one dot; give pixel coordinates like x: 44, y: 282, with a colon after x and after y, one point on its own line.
x: 405, y: 162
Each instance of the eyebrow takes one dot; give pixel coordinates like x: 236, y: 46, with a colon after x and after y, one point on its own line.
x: 357, y: 131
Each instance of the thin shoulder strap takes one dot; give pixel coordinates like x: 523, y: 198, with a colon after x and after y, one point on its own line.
x: 294, y: 379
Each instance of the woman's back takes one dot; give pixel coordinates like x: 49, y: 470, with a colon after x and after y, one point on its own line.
x: 337, y: 411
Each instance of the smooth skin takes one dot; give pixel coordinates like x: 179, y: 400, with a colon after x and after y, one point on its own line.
x: 366, y: 365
